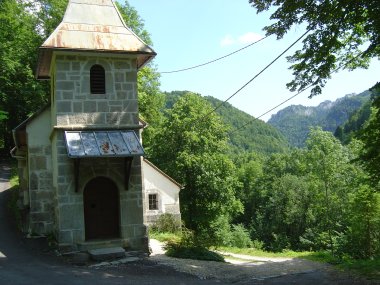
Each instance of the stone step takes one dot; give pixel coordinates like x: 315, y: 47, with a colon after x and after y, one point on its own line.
x: 88, y: 245
x: 109, y: 253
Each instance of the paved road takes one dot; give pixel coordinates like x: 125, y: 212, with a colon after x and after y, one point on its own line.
x: 24, y: 262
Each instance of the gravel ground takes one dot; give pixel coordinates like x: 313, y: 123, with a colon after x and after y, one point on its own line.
x: 237, y: 268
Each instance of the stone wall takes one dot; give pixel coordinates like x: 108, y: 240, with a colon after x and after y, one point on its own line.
x: 41, y: 194
x: 76, y: 106
x: 41, y: 215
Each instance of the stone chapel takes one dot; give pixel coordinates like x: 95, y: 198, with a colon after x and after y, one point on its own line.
x: 80, y: 158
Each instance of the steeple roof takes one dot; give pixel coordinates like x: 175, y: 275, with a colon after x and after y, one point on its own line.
x: 92, y: 26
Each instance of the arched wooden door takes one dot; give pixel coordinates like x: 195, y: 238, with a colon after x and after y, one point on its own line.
x: 101, y: 209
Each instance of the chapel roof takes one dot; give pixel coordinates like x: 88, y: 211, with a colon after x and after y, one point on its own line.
x: 92, y: 26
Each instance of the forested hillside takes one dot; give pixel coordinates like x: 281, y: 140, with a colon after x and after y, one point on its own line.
x: 348, y: 130
x: 257, y: 136
x: 295, y: 121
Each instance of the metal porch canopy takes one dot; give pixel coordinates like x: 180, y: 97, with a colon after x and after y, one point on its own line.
x: 103, y: 144
x: 81, y: 144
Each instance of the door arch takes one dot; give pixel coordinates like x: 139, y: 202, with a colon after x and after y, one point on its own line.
x: 101, y: 209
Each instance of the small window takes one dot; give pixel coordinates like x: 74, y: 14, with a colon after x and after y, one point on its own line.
x: 97, y: 79
x: 153, y: 202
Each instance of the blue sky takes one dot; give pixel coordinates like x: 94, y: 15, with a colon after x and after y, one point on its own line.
x: 187, y: 33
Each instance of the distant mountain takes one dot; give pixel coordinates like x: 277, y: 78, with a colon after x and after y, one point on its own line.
x: 257, y: 136
x: 295, y: 121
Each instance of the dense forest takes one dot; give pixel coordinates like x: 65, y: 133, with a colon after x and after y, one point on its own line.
x: 323, y: 195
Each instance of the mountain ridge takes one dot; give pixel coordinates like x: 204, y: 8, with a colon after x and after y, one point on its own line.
x: 295, y: 121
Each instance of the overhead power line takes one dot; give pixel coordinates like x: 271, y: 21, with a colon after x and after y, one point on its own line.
x: 270, y: 110
x: 254, y: 77
x: 214, y: 60
x: 291, y: 97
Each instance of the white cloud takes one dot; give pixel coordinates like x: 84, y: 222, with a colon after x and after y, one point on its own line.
x: 227, y: 41
x: 249, y: 37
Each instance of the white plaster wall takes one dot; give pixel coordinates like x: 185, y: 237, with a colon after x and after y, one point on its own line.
x: 39, y: 129
x: 157, y: 183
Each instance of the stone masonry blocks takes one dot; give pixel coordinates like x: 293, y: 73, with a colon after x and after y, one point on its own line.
x: 74, y: 97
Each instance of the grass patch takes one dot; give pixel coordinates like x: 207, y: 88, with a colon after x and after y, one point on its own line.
x: 165, y: 237
x: 367, y: 268
x: 262, y: 253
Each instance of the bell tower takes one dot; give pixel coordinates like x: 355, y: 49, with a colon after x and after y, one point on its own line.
x: 92, y: 60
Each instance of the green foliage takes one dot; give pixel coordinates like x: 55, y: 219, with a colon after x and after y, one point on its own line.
x: 370, y: 136
x: 240, y: 237
x: 134, y: 21
x: 364, y: 223
x: 191, y: 150
x: 355, y: 123
x: 194, y: 252
x: 313, y: 199
x: 167, y: 223
x: 20, y: 94
x: 165, y: 237
x: 368, y: 268
x: 330, y: 42
x: 256, y: 137
x: 189, y: 247
x: 151, y: 99
x: 50, y: 14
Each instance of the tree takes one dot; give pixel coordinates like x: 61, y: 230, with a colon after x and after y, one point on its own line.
x: 20, y: 93
x: 370, y: 136
x: 364, y: 223
x: 338, y: 35
x: 191, y: 148
x: 330, y: 165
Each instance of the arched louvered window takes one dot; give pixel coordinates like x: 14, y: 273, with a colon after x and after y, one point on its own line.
x: 97, y: 79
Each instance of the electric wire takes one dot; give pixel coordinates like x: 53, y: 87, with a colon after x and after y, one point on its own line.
x: 214, y: 60
x: 270, y: 110
x: 291, y: 97
x: 254, y: 77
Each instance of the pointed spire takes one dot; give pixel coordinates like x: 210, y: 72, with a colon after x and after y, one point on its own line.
x: 95, y: 26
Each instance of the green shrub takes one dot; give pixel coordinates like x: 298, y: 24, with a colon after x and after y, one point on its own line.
x: 257, y: 244
x: 189, y: 247
x: 167, y: 223
x: 195, y: 252
x: 240, y: 237
x: 220, y: 236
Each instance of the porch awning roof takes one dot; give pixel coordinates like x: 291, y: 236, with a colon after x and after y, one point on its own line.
x: 81, y: 144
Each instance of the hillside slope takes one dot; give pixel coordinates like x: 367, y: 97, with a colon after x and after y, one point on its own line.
x: 257, y: 136
x: 295, y: 121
